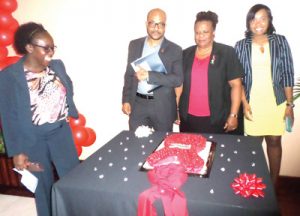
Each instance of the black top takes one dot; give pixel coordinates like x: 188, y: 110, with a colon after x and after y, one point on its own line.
x: 223, y: 67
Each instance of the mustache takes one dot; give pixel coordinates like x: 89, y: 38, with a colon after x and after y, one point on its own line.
x: 155, y: 31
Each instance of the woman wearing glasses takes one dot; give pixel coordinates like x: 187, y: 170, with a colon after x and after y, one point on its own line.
x: 36, y: 98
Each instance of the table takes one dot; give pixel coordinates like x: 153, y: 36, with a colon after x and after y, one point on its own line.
x: 110, y: 181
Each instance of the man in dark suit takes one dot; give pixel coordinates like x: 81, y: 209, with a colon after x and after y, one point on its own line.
x: 148, y: 96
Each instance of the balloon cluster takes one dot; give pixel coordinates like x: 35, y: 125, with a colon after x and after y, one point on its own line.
x: 8, y: 26
x: 83, y: 136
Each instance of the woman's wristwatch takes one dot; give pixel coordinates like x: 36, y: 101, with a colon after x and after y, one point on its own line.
x: 233, y: 115
x: 290, y: 104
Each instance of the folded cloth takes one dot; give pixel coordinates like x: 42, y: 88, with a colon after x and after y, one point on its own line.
x: 166, y: 181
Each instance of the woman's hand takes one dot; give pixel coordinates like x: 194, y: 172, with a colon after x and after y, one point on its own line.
x: 289, y: 112
x: 177, y: 121
x: 178, y: 92
x: 231, y: 123
x: 20, y: 161
x: 247, y: 111
x: 126, y: 108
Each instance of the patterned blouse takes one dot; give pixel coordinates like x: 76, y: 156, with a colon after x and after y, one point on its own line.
x: 47, y: 97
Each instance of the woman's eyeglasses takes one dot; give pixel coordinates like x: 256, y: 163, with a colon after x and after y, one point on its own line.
x: 47, y: 49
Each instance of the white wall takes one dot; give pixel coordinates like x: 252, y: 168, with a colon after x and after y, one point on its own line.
x: 92, y: 38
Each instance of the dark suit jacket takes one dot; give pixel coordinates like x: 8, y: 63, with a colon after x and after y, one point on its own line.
x: 223, y: 67
x: 15, y: 112
x: 165, y: 99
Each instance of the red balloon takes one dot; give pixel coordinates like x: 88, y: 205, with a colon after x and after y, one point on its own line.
x: 6, y: 37
x: 91, y: 137
x: 14, y: 24
x: 8, y: 5
x: 80, y: 121
x: 80, y: 135
x: 8, y: 61
x: 12, y: 59
x: 5, y: 19
x: 2, y: 65
x: 78, y: 149
x: 3, y: 53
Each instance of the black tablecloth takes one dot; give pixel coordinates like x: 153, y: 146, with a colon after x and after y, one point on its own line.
x: 109, y: 182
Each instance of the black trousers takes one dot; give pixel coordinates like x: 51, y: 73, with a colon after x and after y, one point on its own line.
x: 144, y: 113
x: 55, y: 146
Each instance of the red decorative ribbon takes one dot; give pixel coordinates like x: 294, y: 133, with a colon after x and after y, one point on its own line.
x: 166, y: 181
x: 248, y: 185
x: 183, y: 149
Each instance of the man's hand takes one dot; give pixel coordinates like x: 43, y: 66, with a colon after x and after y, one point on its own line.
x: 141, y: 74
x: 126, y: 108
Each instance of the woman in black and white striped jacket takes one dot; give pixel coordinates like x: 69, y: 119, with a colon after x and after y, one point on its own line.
x: 268, y: 83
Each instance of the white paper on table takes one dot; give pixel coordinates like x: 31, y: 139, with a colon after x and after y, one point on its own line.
x: 28, y: 179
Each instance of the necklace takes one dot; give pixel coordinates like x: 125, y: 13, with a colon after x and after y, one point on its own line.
x: 203, y: 53
x: 261, y: 41
x: 262, y: 49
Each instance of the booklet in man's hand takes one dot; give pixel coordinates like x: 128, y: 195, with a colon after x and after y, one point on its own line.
x: 151, y: 62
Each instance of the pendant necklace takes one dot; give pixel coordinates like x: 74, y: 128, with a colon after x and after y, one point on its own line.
x: 262, y: 49
x: 261, y: 42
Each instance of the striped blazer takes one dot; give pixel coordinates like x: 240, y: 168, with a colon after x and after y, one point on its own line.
x: 281, y: 63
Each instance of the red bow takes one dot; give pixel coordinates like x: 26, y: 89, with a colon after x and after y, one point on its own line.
x: 248, y: 185
x: 166, y: 181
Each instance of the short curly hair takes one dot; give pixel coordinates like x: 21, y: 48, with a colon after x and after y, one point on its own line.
x: 207, y: 16
x: 24, y: 35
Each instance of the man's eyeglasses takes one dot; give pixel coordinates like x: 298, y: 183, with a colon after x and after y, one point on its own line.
x: 153, y: 24
x: 47, y: 49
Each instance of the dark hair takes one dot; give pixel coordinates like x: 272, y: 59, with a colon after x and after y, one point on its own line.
x: 251, y: 14
x: 24, y: 35
x: 207, y: 16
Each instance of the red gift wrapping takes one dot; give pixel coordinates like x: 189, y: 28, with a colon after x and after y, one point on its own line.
x: 248, y: 185
x: 166, y: 181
